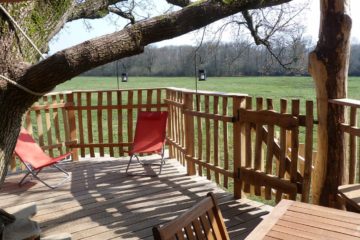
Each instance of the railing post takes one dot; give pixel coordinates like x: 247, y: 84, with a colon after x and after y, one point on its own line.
x: 189, y: 133
x: 237, y: 147
x: 71, y: 124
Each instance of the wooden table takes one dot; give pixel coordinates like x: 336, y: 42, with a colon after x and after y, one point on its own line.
x: 295, y: 220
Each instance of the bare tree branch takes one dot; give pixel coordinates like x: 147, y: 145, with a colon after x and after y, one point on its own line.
x: 119, y: 12
x: 92, y: 9
x: 180, y: 3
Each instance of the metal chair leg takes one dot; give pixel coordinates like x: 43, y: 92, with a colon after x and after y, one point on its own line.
x: 35, y: 173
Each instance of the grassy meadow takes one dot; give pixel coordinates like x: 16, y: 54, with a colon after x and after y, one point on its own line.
x: 268, y: 87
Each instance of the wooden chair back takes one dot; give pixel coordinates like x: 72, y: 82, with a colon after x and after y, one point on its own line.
x: 203, y: 221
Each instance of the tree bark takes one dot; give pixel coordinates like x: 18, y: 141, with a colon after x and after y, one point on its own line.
x: 328, y: 65
x: 42, y: 19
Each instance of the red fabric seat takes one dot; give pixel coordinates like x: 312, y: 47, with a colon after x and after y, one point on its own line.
x: 34, y: 158
x: 150, y: 134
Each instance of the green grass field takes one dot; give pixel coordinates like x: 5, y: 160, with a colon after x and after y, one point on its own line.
x: 268, y: 87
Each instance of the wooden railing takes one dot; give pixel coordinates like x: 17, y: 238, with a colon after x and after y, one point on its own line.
x: 216, y: 135
x: 89, y: 122
x: 352, y: 133
x: 221, y: 137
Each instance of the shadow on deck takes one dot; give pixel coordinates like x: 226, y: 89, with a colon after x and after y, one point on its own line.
x: 102, y: 202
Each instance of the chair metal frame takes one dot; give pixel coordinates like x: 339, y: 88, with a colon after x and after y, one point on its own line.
x: 33, y: 172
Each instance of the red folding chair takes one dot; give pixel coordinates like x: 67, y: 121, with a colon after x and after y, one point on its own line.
x: 35, y: 159
x: 149, y: 137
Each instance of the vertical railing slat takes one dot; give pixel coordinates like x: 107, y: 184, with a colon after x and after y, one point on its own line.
x: 294, y: 145
x: 282, y: 158
x: 199, y: 133
x: 149, y: 94
x: 309, y: 122
x: 56, y: 123
x: 71, y: 119
x: 89, y: 124
x: 130, y: 116
x: 248, y: 152
x: 225, y: 140
x: 352, y: 146
x: 110, y: 122
x: 208, y: 136
x: 216, y: 138
x: 100, y: 122
x: 258, y: 145
x: 120, y: 122
x: 236, y: 101
x: 269, y: 149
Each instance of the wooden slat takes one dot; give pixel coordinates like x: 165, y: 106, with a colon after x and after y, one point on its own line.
x: 215, y: 117
x: 352, y: 146
x: 269, y: 117
x: 248, y: 151
x: 56, y: 124
x: 134, y: 106
x: 158, y: 100
x: 308, y: 152
x: 258, y: 145
x: 139, y: 99
x: 189, y: 134
x: 120, y: 121
x: 40, y: 129
x: 199, y: 133
x: 282, y: 158
x: 80, y: 123
x: 269, y: 157
x: 110, y: 122
x: 294, y: 145
x: 89, y: 124
x: 130, y: 117
x: 216, y: 138
x: 100, y: 122
x: 70, y: 126
x: 170, y: 125
x: 207, y: 136
x: 48, y: 126
x: 269, y: 222
x: 149, y: 94
x: 225, y: 140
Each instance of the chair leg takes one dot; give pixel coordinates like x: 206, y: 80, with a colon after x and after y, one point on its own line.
x: 128, y: 166
x: 162, y: 162
x: 35, y: 173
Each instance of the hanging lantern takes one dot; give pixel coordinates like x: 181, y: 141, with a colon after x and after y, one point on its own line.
x: 202, y: 74
x: 124, y: 77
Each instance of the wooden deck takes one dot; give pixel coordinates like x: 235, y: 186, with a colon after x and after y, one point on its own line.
x: 102, y: 202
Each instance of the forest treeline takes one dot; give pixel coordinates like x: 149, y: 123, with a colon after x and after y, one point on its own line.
x: 224, y: 59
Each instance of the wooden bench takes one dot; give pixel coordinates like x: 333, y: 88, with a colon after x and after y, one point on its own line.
x: 351, y: 194
x: 203, y: 221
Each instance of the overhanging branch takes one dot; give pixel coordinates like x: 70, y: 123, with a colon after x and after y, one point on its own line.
x: 69, y: 63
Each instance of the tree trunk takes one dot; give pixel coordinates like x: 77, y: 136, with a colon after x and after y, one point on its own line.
x: 328, y: 65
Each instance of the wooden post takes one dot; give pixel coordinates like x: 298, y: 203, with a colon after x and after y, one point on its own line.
x: 237, y: 148
x: 72, y: 125
x: 328, y: 65
x: 169, y: 125
x: 189, y: 133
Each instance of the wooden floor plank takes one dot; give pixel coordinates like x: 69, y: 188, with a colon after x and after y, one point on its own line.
x: 102, y: 202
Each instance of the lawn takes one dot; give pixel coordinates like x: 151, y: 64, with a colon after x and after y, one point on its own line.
x: 268, y: 87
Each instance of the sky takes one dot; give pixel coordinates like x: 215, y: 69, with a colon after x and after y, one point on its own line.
x: 76, y: 32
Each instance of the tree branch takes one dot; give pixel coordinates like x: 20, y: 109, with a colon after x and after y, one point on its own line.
x: 70, y: 62
x: 91, y: 9
x: 179, y: 3
x: 126, y: 15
